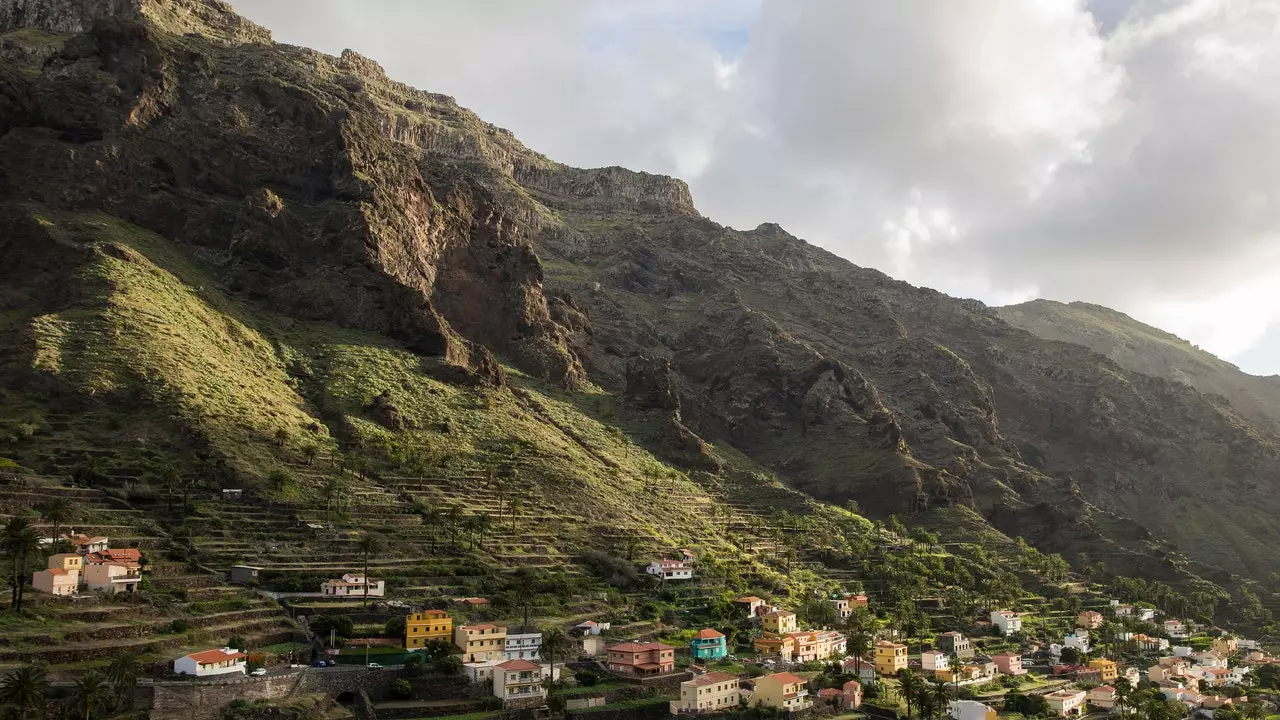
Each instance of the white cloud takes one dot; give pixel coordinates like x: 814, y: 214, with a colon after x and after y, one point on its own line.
x: 1125, y: 152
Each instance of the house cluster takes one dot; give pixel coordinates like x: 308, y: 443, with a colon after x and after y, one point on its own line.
x: 787, y: 692
x: 1193, y: 678
x: 90, y: 565
x: 781, y: 637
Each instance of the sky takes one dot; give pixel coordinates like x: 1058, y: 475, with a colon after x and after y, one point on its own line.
x: 1120, y: 152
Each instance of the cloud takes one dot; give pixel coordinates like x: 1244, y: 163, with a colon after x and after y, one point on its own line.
x: 1125, y: 152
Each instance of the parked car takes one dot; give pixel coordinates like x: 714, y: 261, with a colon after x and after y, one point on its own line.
x: 318, y: 663
x: 331, y: 663
x: 258, y: 672
x: 374, y: 666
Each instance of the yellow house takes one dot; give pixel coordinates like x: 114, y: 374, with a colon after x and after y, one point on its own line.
x: 782, y: 691
x: 779, y: 622
x: 421, y: 628
x: 480, y: 643
x: 783, y: 647
x: 62, y: 577
x: 1106, y: 668
x: 890, y: 657
x: 1226, y: 645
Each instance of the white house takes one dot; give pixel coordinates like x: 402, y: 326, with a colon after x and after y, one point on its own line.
x: 1175, y: 629
x: 480, y: 671
x: 934, y: 660
x: 591, y: 627
x: 112, y: 578
x: 519, y: 682
x: 1237, y: 673
x: 1065, y: 703
x: 522, y: 646
x: 971, y: 710
x: 352, y: 585
x: 1146, y: 613
x: 1076, y: 640
x: 1007, y: 620
x: 1210, y: 659
x: 221, y: 661
x: 670, y: 570
x: 1181, y: 650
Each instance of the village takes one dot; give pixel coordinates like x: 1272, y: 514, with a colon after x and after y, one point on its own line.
x: 838, y: 655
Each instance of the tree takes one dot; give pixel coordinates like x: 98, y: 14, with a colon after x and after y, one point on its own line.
x: 481, y: 523
x: 940, y: 696
x: 91, y: 471
x: 309, y: 451
x: 369, y: 544
x: 858, y: 644
x: 514, y: 508
x: 910, y: 685
x: 20, y: 541
x: 281, y: 437
x: 237, y: 642
x: 278, y: 478
x: 88, y: 695
x: 402, y: 689
x: 554, y: 643
x: 25, y: 689
x: 395, y: 628
x: 58, y: 511
x: 123, y: 674
x: 1124, y: 691
x: 170, y: 476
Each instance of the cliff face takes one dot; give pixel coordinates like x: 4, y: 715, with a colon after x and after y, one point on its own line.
x: 315, y: 188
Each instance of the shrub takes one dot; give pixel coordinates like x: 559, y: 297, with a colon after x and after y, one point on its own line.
x: 178, y: 627
x: 586, y: 678
x: 402, y: 689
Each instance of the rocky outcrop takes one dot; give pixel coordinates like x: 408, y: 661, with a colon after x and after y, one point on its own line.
x: 613, y: 183
x: 651, y: 387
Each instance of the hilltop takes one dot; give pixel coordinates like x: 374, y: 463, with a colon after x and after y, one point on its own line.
x: 237, y: 264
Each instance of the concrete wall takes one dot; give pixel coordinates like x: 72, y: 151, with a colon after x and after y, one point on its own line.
x: 204, y: 700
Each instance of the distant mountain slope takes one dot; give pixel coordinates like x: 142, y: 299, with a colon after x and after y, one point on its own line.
x: 1149, y: 350
x: 211, y: 238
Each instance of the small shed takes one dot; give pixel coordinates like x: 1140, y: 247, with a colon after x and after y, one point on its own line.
x: 244, y: 574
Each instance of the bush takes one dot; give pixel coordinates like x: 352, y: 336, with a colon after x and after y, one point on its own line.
x: 586, y: 678
x: 394, y: 628
x: 613, y: 570
x: 177, y: 627
x: 341, y: 625
x: 402, y: 689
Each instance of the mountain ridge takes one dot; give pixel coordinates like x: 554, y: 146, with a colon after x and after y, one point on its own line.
x: 314, y: 189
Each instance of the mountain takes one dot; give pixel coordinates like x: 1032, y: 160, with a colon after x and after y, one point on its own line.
x: 1151, y: 351
x: 239, y: 256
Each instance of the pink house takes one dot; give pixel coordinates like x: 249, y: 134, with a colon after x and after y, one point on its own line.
x: 851, y: 695
x: 1009, y: 663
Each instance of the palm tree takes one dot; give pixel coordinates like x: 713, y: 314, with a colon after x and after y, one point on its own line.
x: 554, y: 642
x: 1124, y: 690
x: 26, y: 689
x: 171, y: 475
x: 514, y: 507
x: 431, y: 519
x: 368, y: 543
x: 940, y: 696
x: 20, y: 541
x: 910, y: 684
x: 88, y: 694
x: 58, y: 511
x: 123, y: 673
x: 858, y: 644
x: 481, y: 522
x: 332, y: 492
x: 453, y: 518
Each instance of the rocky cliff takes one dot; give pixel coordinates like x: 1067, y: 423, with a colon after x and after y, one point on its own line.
x: 315, y: 189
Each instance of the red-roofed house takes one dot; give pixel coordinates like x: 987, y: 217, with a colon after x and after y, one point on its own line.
x: 670, y: 569
x: 61, y: 578
x: 129, y: 557
x: 211, y: 662
x: 707, y: 693
x: 708, y: 644
x: 82, y: 543
x: 353, y: 585
x: 782, y: 691
x: 519, y: 682
x: 637, y: 658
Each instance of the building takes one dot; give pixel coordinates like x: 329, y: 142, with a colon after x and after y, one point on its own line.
x: 934, y: 660
x: 1107, y: 670
x: 1103, y: 697
x: 244, y: 574
x: 1065, y: 703
x: 85, y: 544
x: 845, y: 604
x: 967, y: 674
x: 519, y: 682
x: 1226, y: 645
x: 890, y: 657
x: 772, y: 646
x: 670, y: 570
x: 426, y: 626
x: 640, y: 658
x: 480, y: 671
x: 1090, y: 620
x: 708, y: 644
x: 61, y: 577
x: 1146, y: 613
x: 129, y: 557
x: 112, y: 579
x: 591, y: 627
x: 864, y: 668
x: 1122, y: 611
x: 750, y: 603
x: 352, y: 585
x: 971, y: 710
x: 1007, y: 621
x: 1009, y: 663
x: 779, y: 622
x: 1175, y: 629
x: 782, y: 691
x: 708, y: 693
x: 1147, y: 643
x: 956, y: 644
x: 221, y: 661
x: 473, y: 603
x: 479, y: 643
x: 524, y: 645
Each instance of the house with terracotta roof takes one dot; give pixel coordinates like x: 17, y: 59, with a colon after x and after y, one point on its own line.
x: 1064, y: 703
x: 1007, y: 621
x: 707, y: 693
x: 518, y: 683
x: 1009, y: 663
x: 84, y: 544
x: 353, y: 585
x: 845, y: 604
x: 783, y: 647
x: 850, y: 696
x: 970, y: 710
x: 779, y: 622
x: 427, y: 626
x: 640, y: 658
x: 221, y: 661
x: 591, y: 627
x: 1103, y: 697
x: 890, y: 657
x: 955, y: 643
x: 1107, y: 669
x: 708, y: 644
x: 472, y: 602
x: 482, y: 642
x: 61, y: 577
x: 751, y: 603
x: 129, y: 557
x: 1089, y: 619
x: 781, y: 691
x: 670, y: 570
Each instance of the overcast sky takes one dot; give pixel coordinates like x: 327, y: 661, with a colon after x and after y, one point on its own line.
x: 1123, y: 152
